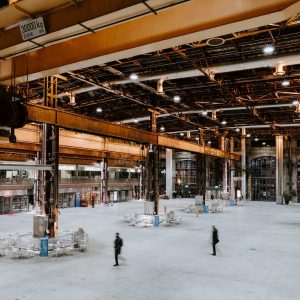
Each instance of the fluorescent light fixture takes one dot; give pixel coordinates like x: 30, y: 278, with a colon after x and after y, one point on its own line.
x: 176, y: 99
x: 162, y: 128
x: 237, y: 129
x: 181, y: 133
x: 295, y: 103
x: 197, y: 139
x: 248, y: 135
x: 136, y: 120
x: 223, y: 122
x: 133, y: 76
x: 99, y: 110
x: 269, y: 49
x: 285, y: 83
x: 209, y: 142
x: 204, y: 113
x: 256, y: 139
x: 264, y: 143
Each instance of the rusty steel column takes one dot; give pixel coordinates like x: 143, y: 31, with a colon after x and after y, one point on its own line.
x: 104, y: 181
x: 232, y: 170
x: 279, y: 168
x: 243, y: 164
x: 223, y: 147
x: 142, y: 179
x: 51, y: 157
x: 201, y: 175
x: 50, y: 91
x: 152, y: 192
x: 153, y: 168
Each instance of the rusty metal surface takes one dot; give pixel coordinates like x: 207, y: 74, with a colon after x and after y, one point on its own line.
x: 28, y: 147
x: 57, y: 19
x: 22, y: 9
x: 168, y: 24
x: 85, y: 124
x: 187, y: 146
x: 14, y: 156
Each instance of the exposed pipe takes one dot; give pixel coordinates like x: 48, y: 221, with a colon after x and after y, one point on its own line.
x: 287, y: 60
x: 246, y: 127
x: 188, y: 112
x: 265, y: 126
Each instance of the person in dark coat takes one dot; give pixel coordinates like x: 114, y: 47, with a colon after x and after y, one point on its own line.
x: 118, y: 245
x: 215, y: 239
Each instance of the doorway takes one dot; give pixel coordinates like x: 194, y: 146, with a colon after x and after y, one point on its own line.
x: 263, y: 178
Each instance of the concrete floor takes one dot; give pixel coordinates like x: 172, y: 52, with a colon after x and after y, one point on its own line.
x: 258, y: 257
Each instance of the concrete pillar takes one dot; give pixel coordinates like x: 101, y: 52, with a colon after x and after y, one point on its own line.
x: 243, y: 163
x: 279, y: 169
x: 169, y: 173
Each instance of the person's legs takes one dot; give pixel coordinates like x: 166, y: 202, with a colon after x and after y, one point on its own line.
x: 116, y: 258
x: 214, y: 249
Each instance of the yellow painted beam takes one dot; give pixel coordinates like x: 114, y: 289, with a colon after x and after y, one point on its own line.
x: 84, y: 124
x: 89, y: 125
x: 192, y: 21
x: 58, y: 19
x: 187, y: 146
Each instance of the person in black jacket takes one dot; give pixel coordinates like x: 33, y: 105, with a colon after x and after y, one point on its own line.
x: 215, y: 239
x: 118, y: 245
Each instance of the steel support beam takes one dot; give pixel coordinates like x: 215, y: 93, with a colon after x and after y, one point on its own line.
x: 28, y: 147
x: 186, y: 23
x: 187, y: 146
x: 84, y: 124
x: 65, y: 17
x: 25, y: 167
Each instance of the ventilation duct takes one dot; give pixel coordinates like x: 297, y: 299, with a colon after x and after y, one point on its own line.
x: 297, y: 110
x: 160, y: 87
x: 214, y: 42
x: 214, y: 115
x: 72, y: 100
x: 279, y: 70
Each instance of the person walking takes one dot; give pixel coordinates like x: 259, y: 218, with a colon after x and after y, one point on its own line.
x: 215, y: 239
x: 118, y: 243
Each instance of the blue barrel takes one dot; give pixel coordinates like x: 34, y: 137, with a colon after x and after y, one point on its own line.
x: 232, y: 202
x: 205, y: 209
x: 44, y: 246
x: 156, y: 220
x: 77, y: 200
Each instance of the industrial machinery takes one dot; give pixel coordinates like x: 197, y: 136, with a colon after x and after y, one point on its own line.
x: 13, y: 114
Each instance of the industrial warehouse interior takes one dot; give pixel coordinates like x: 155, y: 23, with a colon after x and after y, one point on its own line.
x: 174, y: 123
